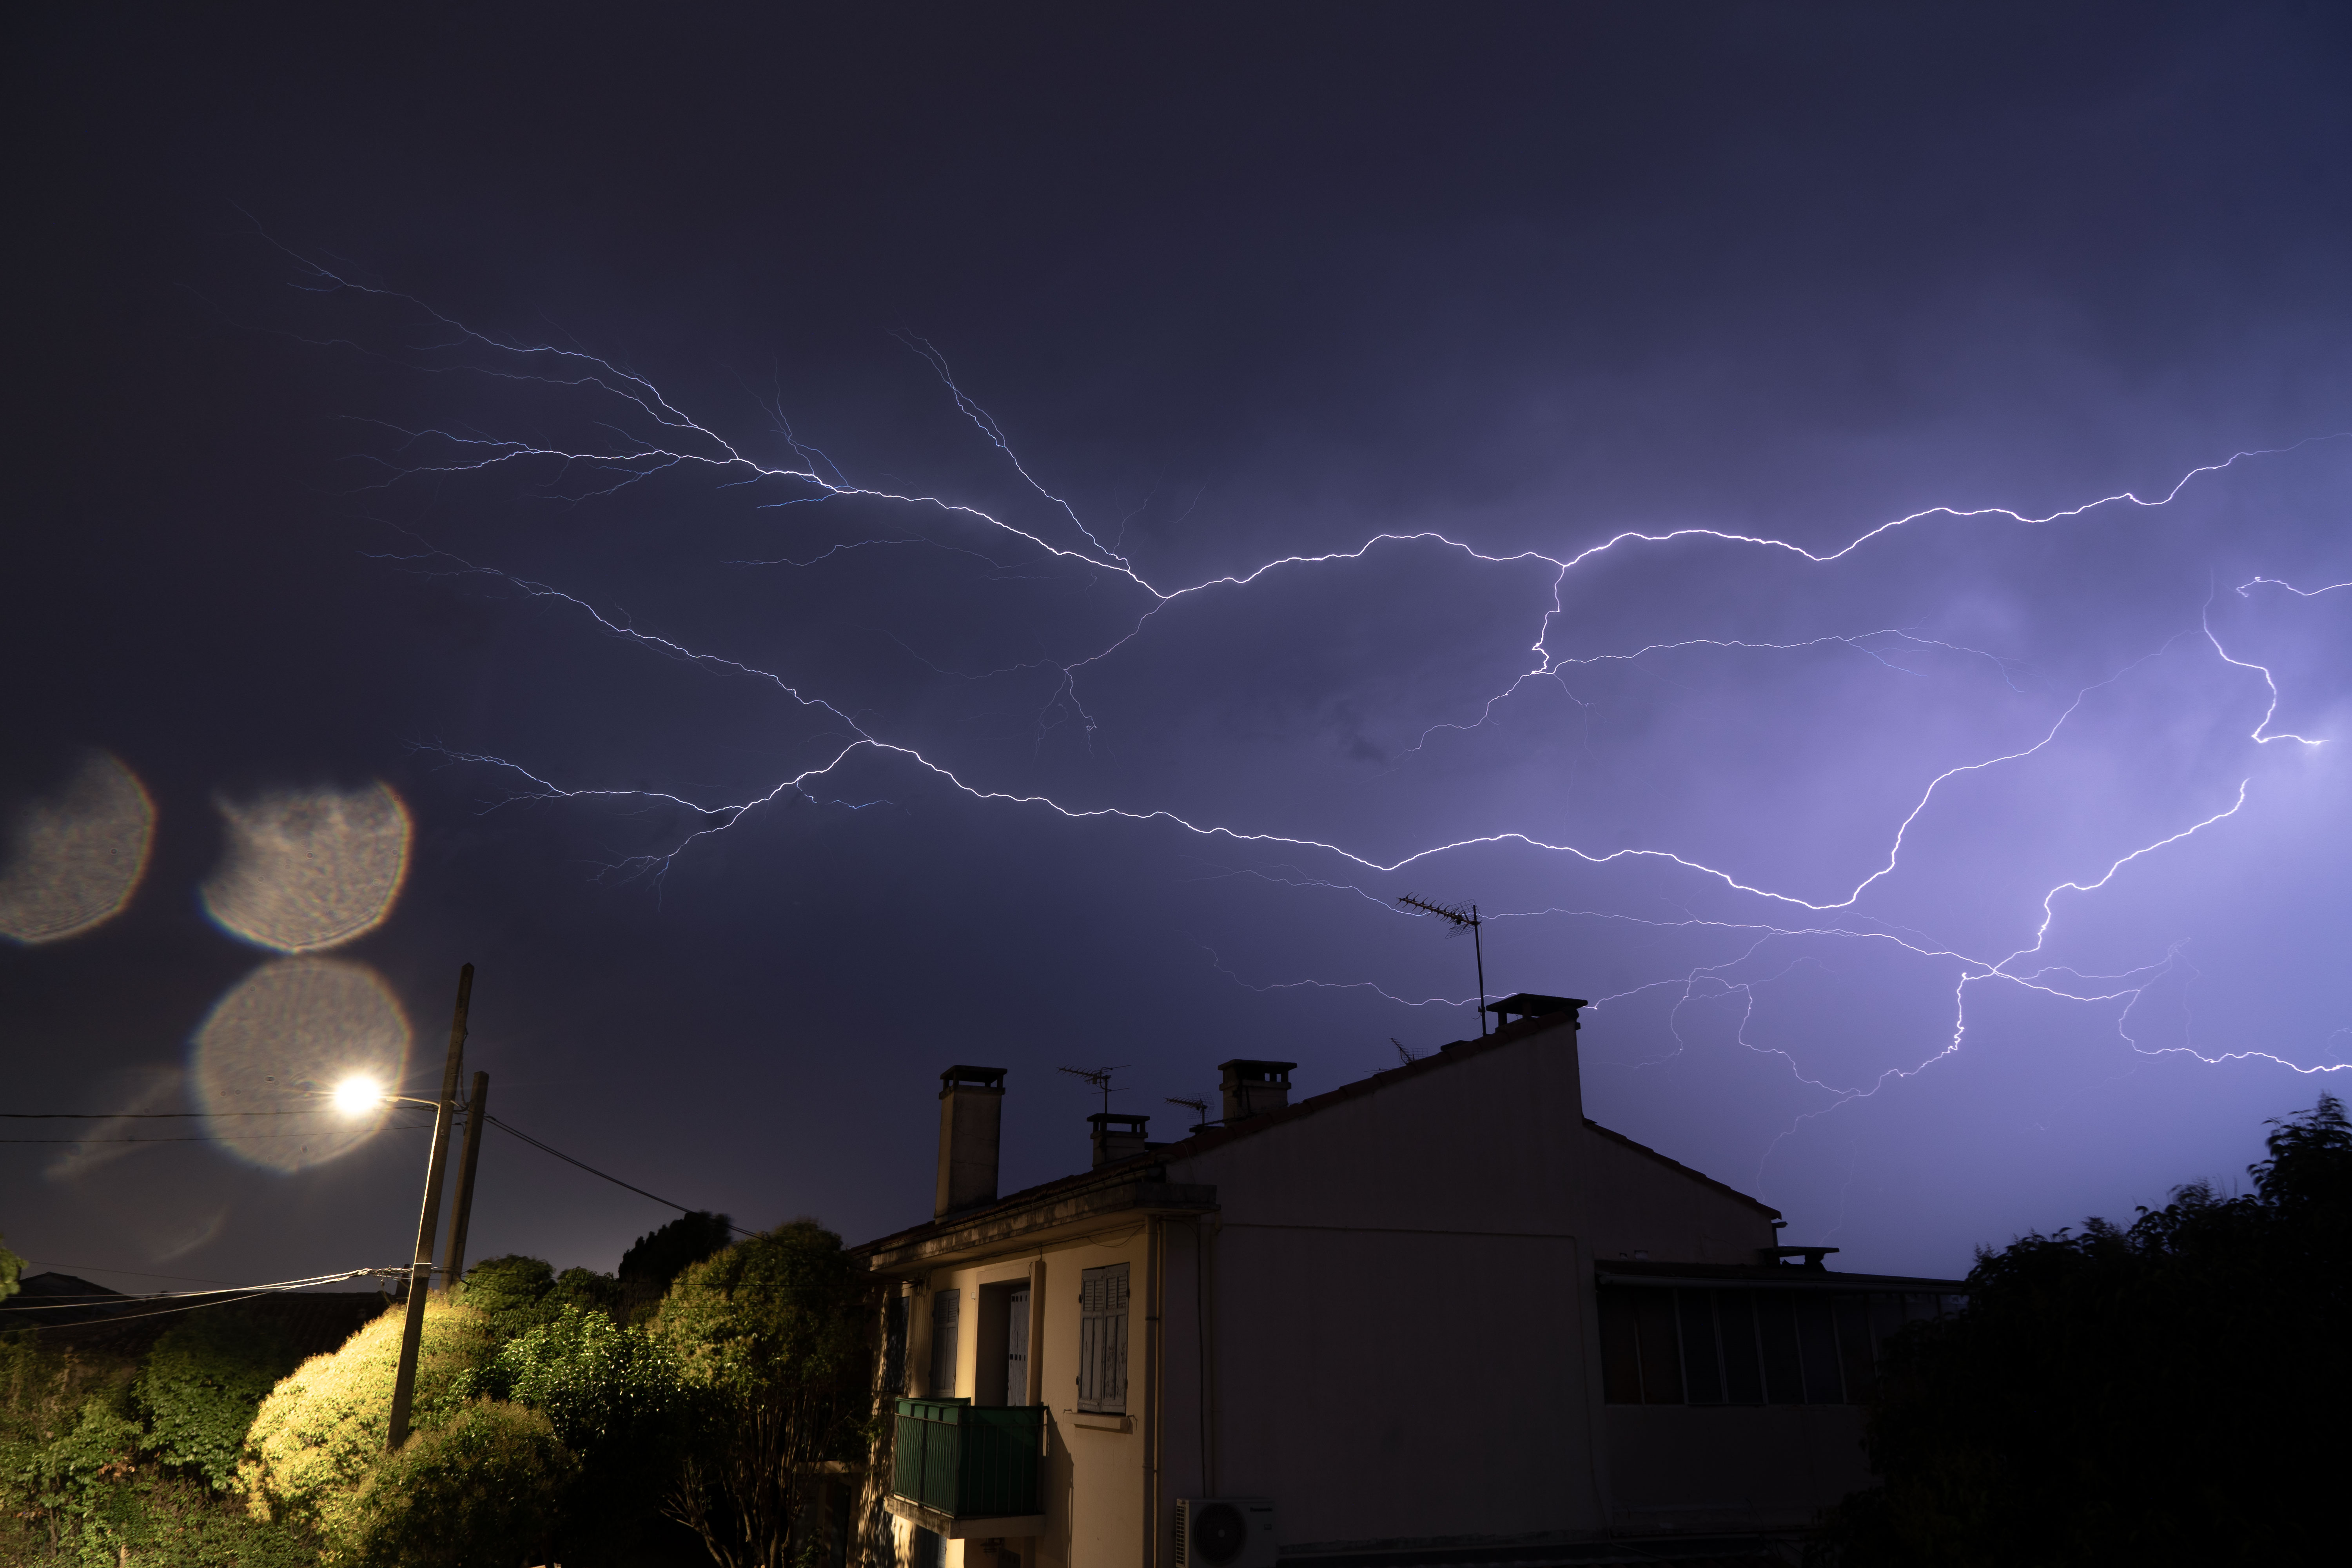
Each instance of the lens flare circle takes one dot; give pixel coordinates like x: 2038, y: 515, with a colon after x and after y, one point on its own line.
x: 284, y: 1032
x: 76, y: 857
x: 309, y: 869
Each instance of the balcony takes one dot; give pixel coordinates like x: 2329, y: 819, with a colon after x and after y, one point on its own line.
x: 968, y: 1471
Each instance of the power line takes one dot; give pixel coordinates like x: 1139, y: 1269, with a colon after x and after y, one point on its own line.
x: 606, y: 1176
x: 204, y: 1137
x: 136, y: 1115
x: 253, y: 1294
x: 81, y: 1298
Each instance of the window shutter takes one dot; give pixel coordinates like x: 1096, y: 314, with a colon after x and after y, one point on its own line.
x: 1102, y: 1340
x: 1017, y: 1347
x: 947, y: 1319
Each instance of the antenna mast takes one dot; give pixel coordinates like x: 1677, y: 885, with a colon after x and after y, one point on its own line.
x: 1098, y: 1077
x: 1465, y: 918
x: 1199, y: 1108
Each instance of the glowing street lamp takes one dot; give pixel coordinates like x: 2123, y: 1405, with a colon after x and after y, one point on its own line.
x: 356, y: 1097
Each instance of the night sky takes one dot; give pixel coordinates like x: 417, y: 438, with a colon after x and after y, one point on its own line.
x: 1819, y: 519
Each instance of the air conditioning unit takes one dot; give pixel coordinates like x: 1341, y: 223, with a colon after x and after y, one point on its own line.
x: 1225, y: 1533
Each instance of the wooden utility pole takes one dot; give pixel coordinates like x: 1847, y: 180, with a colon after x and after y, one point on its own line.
x: 461, y: 1211
x: 428, y: 1223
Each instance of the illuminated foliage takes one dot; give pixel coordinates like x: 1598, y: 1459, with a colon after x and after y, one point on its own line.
x: 2157, y: 1393
x: 770, y: 1336
x: 618, y: 1399
x: 321, y: 1429
x: 478, y: 1491
x: 200, y: 1387
x: 519, y: 1294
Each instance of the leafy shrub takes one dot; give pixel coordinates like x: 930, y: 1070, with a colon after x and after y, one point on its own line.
x: 478, y: 1491
x: 771, y: 1336
x: 511, y: 1292
x: 588, y: 1290
x: 617, y: 1398
x: 200, y: 1387
x: 602, y: 1385
x: 68, y: 1475
x: 518, y: 1294
x: 323, y: 1426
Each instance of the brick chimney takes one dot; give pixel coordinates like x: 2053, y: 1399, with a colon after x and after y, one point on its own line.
x: 971, y: 1109
x: 1116, y: 1136
x: 1253, y: 1089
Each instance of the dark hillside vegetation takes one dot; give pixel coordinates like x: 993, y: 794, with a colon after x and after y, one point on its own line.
x: 2165, y: 1392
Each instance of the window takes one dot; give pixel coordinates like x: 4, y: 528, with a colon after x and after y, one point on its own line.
x: 947, y: 1324
x: 1660, y: 1346
x: 1102, y: 1340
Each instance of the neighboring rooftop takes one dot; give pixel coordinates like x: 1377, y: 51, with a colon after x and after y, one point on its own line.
x: 1139, y: 1167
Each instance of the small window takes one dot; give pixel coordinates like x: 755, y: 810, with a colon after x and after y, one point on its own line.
x: 947, y: 1324
x: 1621, y: 1348
x: 1102, y: 1340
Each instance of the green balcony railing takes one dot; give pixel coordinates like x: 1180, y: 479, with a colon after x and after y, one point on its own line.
x: 967, y: 1460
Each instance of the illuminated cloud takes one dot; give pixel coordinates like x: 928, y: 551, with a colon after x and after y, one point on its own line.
x: 292, y: 1026
x: 310, y: 868
x: 75, y: 856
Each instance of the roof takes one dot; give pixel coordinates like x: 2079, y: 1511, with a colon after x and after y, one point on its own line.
x: 1143, y: 1168
x: 1632, y: 1271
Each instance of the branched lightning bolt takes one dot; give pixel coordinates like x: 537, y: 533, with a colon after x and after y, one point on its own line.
x: 678, y: 442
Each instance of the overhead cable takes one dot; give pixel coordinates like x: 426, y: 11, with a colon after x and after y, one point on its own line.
x: 550, y: 1149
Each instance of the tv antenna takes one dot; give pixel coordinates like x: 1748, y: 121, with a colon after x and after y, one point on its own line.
x: 1465, y: 918
x: 1098, y: 1077
x: 1199, y: 1108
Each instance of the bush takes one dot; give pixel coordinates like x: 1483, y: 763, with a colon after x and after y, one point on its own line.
x: 518, y: 1294
x: 602, y: 1385
x: 323, y: 1426
x: 201, y: 1385
x: 616, y: 1397
x: 478, y: 1491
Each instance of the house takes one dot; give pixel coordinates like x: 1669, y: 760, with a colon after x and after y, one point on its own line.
x: 1433, y: 1316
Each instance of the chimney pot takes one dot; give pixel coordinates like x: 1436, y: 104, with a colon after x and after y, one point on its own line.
x: 1117, y: 1135
x: 971, y: 1111
x: 1254, y: 1088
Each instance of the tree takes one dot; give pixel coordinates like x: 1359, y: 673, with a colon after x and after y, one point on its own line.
x: 2159, y: 1394
x: 478, y: 1491
x: 322, y: 1429
x: 12, y: 1268
x: 659, y: 1256
x: 769, y: 1334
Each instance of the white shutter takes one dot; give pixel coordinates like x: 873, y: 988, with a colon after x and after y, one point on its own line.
x: 1102, y: 1340
x: 1017, y: 1347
